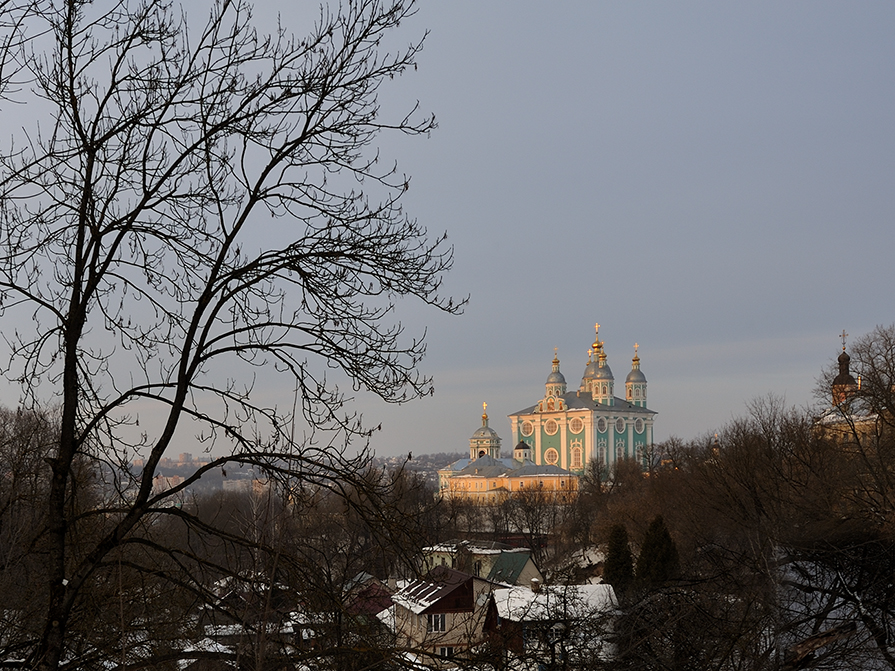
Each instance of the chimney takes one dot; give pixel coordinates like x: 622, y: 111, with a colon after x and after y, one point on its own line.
x: 535, y: 585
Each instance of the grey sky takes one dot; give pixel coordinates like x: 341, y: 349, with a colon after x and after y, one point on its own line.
x: 711, y: 180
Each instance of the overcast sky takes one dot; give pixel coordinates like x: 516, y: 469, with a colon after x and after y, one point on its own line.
x: 711, y: 180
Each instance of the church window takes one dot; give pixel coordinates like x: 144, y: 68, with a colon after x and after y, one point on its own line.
x: 551, y: 456
x: 602, y: 455
x: 638, y: 453
x: 576, y: 425
x: 630, y: 395
x: 619, y: 453
x: 638, y: 425
x: 527, y: 428
x: 551, y: 427
x: 619, y: 425
x: 576, y: 457
x: 601, y: 425
x: 637, y: 393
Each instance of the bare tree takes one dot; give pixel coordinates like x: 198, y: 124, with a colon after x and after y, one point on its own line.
x: 191, y: 203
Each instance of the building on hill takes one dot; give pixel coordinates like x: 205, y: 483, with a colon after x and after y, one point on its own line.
x: 845, y: 420
x: 485, y: 477
x: 550, y: 627
x: 441, y: 616
x: 497, y: 562
x: 570, y: 428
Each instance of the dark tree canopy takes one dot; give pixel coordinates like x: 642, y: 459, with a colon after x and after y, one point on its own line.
x: 618, y: 569
x: 658, y: 560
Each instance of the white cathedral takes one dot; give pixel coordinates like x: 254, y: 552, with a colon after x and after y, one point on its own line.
x: 570, y: 428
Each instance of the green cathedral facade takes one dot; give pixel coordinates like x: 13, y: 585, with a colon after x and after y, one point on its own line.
x: 570, y: 428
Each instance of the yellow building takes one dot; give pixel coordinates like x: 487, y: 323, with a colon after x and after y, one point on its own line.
x: 487, y: 478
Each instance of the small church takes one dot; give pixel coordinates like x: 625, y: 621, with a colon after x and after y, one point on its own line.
x: 486, y: 477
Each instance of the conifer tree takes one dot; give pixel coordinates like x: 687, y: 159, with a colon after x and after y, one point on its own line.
x: 618, y: 570
x: 658, y: 560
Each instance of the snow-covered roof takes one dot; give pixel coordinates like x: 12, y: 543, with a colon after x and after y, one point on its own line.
x: 521, y: 604
x: 420, y: 594
x: 205, y: 645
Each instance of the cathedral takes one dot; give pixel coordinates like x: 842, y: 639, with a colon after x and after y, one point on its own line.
x: 556, y: 437
x: 570, y: 428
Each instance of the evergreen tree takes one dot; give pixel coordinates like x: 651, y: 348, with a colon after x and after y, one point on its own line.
x: 658, y: 561
x: 618, y: 569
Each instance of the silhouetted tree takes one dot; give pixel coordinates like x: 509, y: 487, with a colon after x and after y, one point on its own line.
x: 618, y: 569
x: 658, y: 560
x: 182, y: 209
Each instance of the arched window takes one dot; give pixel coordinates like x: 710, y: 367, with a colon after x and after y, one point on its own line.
x: 576, y: 457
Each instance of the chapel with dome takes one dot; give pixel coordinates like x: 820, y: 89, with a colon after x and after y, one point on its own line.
x: 570, y: 428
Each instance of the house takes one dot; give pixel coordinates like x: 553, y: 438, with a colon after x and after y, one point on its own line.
x: 540, y: 626
x: 441, y: 615
x: 496, y: 562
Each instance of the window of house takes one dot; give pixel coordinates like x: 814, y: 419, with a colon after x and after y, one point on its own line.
x: 477, y: 569
x: 436, y: 622
x: 447, y: 651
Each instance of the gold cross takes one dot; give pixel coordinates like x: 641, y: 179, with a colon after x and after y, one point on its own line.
x: 843, y: 335
x: 484, y: 407
x: 635, y: 348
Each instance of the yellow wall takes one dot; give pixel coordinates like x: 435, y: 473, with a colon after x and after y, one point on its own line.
x: 494, y: 490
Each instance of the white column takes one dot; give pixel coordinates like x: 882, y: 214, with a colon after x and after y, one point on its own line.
x: 563, y: 443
